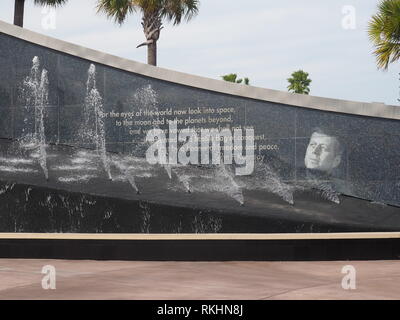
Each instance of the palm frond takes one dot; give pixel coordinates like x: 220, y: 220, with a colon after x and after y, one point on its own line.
x: 178, y: 10
x: 384, y: 33
x: 116, y: 9
x: 299, y: 82
x: 52, y: 3
x: 171, y: 10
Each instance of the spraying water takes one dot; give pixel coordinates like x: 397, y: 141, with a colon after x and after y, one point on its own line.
x: 323, y: 188
x: 146, y: 97
x: 39, y: 120
x: 265, y: 178
x: 168, y: 169
x: 94, y: 107
x: 206, y: 224
x: 231, y: 188
x: 127, y: 174
x: 274, y: 184
x: 184, y: 179
x: 36, y: 88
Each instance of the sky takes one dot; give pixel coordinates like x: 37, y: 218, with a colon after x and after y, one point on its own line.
x: 260, y: 39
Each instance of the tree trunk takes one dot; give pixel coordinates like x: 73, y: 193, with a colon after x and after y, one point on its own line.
x: 19, y: 13
x: 152, y: 25
x: 152, y: 53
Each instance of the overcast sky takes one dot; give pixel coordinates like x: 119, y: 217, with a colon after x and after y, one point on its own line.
x: 263, y: 40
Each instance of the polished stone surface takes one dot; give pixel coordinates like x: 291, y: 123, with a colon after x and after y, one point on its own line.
x: 79, y: 197
x: 21, y: 279
x: 369, y: 167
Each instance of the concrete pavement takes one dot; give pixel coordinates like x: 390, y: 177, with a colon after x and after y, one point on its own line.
x: 22, y: 279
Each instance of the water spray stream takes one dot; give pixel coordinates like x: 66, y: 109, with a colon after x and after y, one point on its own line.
x: 232, y: 189
x: 94, y: 105
x: 128, y: 175
x: 36, y: 88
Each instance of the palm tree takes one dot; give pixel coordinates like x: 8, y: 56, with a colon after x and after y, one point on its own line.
x: 19, y: 8
x: 299, y: 82
x: 384, y: 32
x: 153, y: 12
x: 232, y: 77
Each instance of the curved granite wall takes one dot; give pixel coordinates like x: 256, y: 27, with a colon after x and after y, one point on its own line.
x: 302, y: 143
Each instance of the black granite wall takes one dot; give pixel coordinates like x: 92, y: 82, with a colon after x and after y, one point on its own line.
x: 370, y: 147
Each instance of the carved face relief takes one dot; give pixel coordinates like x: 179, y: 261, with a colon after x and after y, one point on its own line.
x: 322, y: 153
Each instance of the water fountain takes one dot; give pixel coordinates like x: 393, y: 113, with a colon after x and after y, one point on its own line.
x: 94, y: 110
x: 273, y: 183
x: 36, y: 93
x: 39, y: 120
x: 221, y: 178
x: 146, y: 97
x: 263, y: 202
x: 125, y: 171
x: 231, y: 188
x: 184, y: 179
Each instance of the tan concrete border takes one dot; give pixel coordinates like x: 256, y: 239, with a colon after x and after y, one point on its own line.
x: 224, y: 236
x: 378, y: 110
